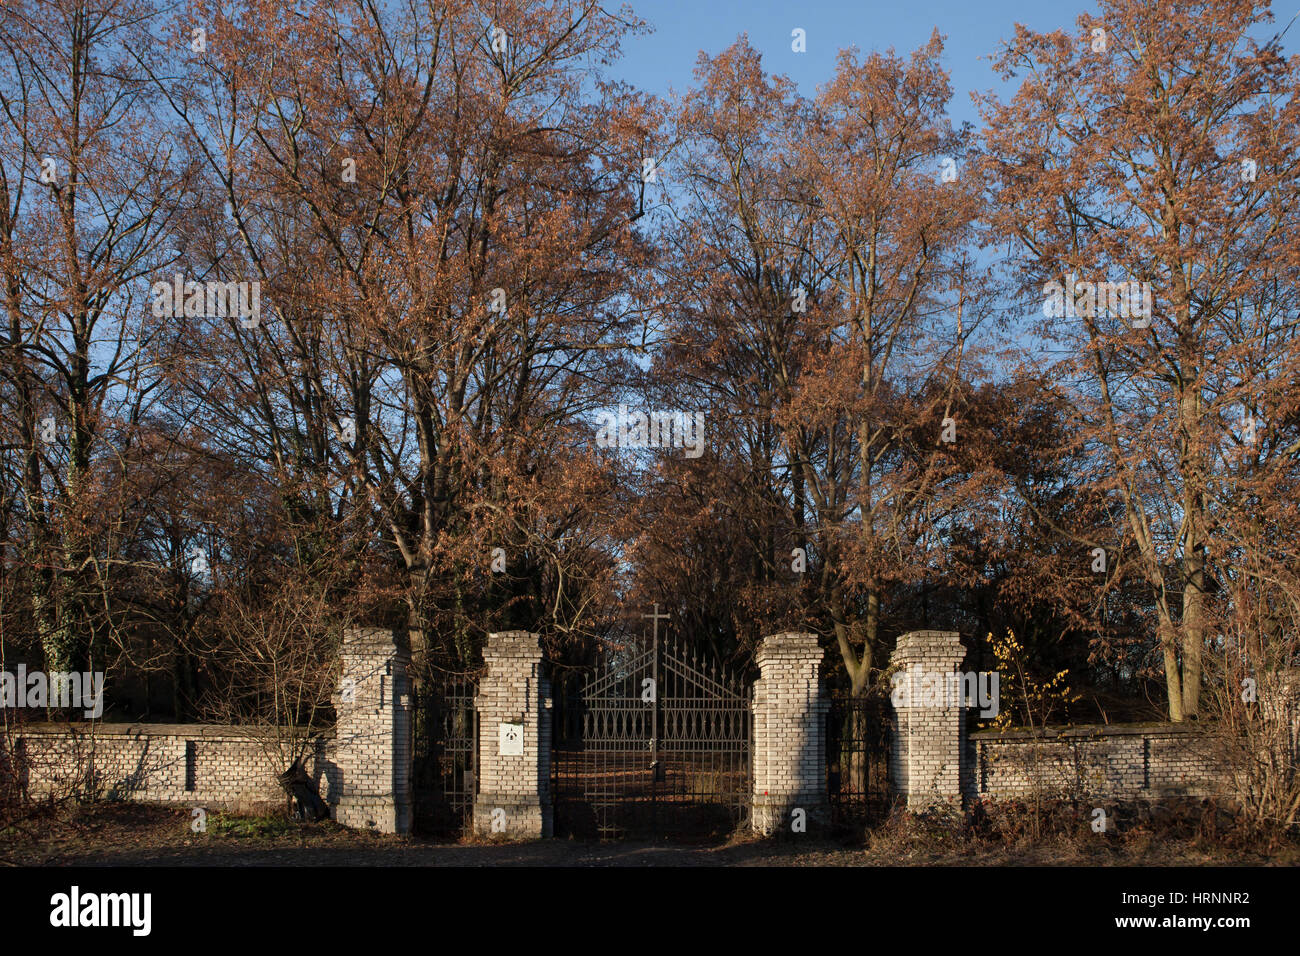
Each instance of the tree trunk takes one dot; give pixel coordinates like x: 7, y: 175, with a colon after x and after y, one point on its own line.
x: 854, y: 758
x: 1193, y: 636
x: 1173, y: 680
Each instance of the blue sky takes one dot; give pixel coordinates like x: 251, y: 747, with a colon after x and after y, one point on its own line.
x: 973, y: 29
x: 664, y: 60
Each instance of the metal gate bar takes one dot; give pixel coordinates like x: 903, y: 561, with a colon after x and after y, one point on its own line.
x: 654, y: 744
x: 444, y: 756
x: 857, y: 759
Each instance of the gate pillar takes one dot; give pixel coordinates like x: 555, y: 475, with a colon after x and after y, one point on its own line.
x: 372, y: 750
x: 926, y: 753
x: 790, y: 706
x: 513, y: 702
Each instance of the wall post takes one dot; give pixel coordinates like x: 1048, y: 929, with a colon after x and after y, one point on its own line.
x: 373, y: 737
x: 926, y: 753
x: 790, y: 706
x: 514, y: 719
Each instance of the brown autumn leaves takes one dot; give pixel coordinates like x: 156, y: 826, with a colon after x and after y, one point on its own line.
x: 839, y: 282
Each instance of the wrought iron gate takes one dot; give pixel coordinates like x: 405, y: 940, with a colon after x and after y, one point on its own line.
x: 444, y: 756
x: 653, y: 744
x: 858, y: 731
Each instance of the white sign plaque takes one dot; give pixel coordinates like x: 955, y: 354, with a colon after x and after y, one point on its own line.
x: 512, y: 740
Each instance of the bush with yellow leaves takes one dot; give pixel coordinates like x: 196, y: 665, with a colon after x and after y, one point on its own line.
x: 1024, y: 698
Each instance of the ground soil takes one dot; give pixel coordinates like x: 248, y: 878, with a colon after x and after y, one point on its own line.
x: 137, y: 835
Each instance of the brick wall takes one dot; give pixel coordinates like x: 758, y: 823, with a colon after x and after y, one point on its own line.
x: 1115, y: 762
x: 210, y: 766
x: 362, y: 767
x: 934, y: 760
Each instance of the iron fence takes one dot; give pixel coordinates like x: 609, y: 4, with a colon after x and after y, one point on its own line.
x: 444, y: 756
x: 858, y: 732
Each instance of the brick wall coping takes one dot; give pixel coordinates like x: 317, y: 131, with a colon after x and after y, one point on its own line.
x: 246, y: 731
x: 1152, y: 729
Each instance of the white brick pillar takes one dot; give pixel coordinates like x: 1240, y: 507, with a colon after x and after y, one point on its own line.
x: 925, y: 757
x: 514, y: 744
x: 1280, y: 706
x: 789, y: 733
x: 373, y: 732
